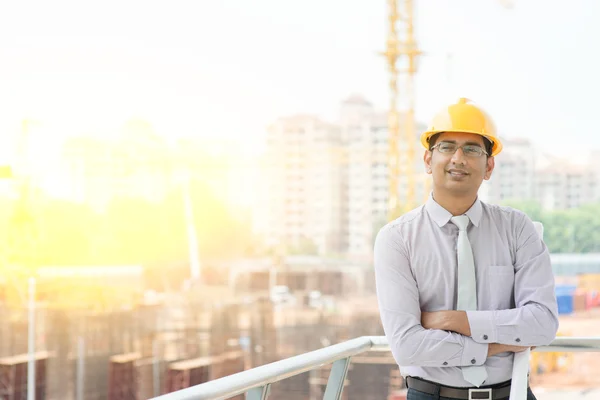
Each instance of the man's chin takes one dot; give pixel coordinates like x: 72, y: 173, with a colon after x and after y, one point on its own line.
x: 460, y: 188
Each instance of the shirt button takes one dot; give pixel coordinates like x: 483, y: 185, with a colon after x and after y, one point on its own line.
x: 518, y: 340
x: 485, y: 337
x: 445, y: 363
x: 473, y: 361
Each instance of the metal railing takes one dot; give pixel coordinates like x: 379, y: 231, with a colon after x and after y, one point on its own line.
x: 256, y: 382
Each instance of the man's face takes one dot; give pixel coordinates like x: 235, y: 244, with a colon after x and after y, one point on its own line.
x: 458, y: 173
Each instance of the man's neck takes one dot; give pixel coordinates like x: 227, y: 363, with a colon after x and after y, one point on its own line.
x: 456, y: 205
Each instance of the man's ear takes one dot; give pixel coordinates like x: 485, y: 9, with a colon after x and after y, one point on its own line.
x: 489, y: 168
x: 427, y: 161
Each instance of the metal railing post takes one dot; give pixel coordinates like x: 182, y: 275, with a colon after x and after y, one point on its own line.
x: 337, y: 377
x: 259, y: 393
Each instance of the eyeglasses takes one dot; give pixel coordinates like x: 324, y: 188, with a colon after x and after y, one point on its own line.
x: 469, y: 150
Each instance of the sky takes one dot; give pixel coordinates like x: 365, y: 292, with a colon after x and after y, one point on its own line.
x: 229, y: 68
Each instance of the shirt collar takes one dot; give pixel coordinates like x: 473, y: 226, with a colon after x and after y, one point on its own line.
x: 441, y: 216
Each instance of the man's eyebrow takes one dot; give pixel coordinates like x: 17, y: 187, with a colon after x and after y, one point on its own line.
x: 468, y: 142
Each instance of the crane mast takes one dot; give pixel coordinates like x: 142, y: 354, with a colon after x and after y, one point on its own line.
x: 401, y: 54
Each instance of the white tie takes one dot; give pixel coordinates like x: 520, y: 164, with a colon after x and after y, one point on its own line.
x: 467, y: 289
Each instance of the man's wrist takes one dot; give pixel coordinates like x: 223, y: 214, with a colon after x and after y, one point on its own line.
x: 457, y: 321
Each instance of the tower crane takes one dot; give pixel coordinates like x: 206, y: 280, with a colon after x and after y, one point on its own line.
x: 401, y: 54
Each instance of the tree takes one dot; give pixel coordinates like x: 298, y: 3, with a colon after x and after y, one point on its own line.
x: 66, y: 233
x: 574, y: 230
x: 305, y: 246
x: 139, y: 232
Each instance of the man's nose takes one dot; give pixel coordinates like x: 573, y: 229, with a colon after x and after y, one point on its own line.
x: 459, y: 156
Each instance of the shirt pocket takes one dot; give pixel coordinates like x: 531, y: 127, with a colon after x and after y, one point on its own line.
x: 500, y: 287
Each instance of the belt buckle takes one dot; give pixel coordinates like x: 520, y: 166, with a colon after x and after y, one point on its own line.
x: 488, y: 391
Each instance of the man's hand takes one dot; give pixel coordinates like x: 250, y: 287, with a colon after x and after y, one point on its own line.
x: 455, y: 321
x: 497, y: 348
x: 434, y: 320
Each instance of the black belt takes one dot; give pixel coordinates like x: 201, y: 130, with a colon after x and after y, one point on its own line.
x: 494, y: 392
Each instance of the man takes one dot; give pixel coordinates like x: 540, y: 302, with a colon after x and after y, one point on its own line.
x: 462, y: 285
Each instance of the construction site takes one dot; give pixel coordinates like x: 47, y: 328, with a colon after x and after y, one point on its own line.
x: 137, y: 348
x: 166, y: 287
x: 142, y: 347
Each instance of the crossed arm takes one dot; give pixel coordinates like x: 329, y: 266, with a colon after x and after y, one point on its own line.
x: 457, y: 321
x: 458, y: 338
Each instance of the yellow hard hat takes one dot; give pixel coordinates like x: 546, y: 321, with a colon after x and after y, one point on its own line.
x: 464, y: 116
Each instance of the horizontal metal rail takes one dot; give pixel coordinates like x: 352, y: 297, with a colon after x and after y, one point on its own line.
x: 256, y: 382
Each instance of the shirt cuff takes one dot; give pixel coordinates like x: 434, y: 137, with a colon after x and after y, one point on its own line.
x: 474, y: 353
x: 483, y: 329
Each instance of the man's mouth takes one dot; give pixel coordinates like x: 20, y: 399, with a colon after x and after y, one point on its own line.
x: 457, y: 172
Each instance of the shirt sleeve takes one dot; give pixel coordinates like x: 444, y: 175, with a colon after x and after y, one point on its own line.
x: 398, y: 299
x: 534, y: 320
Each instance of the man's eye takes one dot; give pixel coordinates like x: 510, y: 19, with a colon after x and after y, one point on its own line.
x: 471, y: 149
